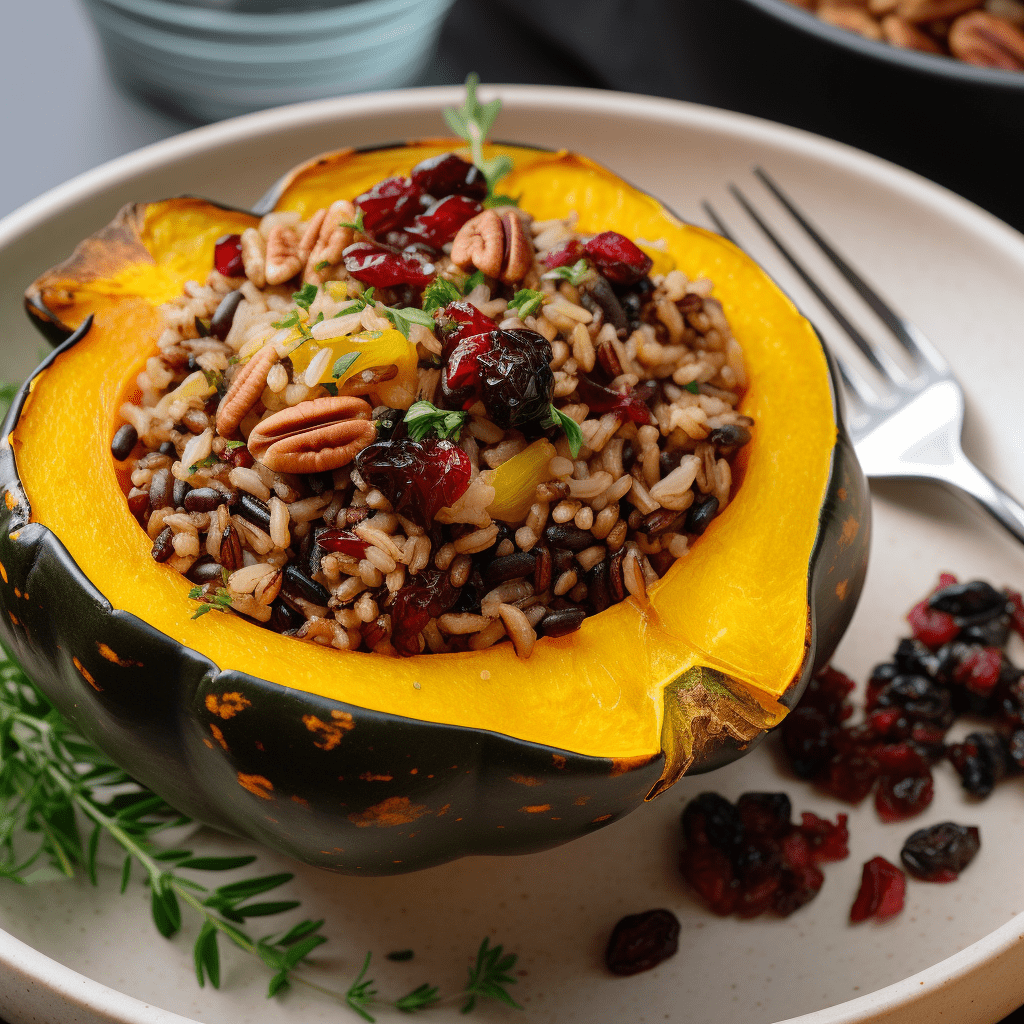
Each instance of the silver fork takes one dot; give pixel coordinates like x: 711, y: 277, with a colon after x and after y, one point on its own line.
x: 901, y: 425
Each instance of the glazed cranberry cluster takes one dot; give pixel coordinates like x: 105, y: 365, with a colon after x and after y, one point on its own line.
x: 750, y: 858
x: 953, y: 664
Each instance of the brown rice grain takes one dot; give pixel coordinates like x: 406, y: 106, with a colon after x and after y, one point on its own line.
x: 460, y: 569
x: 279, y: 522
x: 186, y: 545
x: 485, y: 431
x: 578, y: 593
x: 641, y: 498
x: 526, y: 538
x: 565, y: 583
x: 633, y: 577
x: 560, y: 468
x: 565, y: 510
x: 369, y: 532
x: 249, y: 481
x: 605, y: 520
x: 421, y: 555
x: 445, y: 554
x: 395, y: 580
x: 461, y: 623
x: 537, y: 518
x: 366, y: 608
x: 506, y: 547
x: 590, y: 487
x: 672, y: 491
x: 519, y: 629
x: 377, y: 501
x: 307, y: 509
x: 487, y: 637
x: 348, y: 617
x: 380, y: 559
x: 478, y: 540
x: 559, y: 354
x: 156, y: 521
x: 534, y: 614
x: 589, y: 557
x: 617, y: 535
x: 246, y: 604
x: 505, y: 593
x: 369, y: 573
x: 349, y: 590
x: 257, y: 540
x: 583, y: 347
x: 584, y: 519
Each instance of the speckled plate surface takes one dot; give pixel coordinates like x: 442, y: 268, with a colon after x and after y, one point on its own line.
x: 73, y: 953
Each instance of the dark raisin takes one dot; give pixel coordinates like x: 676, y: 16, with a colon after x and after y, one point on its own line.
x: 640, y: 942
x: 882, y: 889
x: 449, y: 175
x: 916, y: 658
x: 419, y: 478
x: 919, y: 698
x: 427, y: 595
x: 807, y: 738
x: 981, y: 760
x: 440, y: 223
x: 565, y: 255
x: 969, y: 603
x: 711, y: 820
x: 224, y: 316
x: 623, y: 403
x: 124, y: 442
x: 940, y: 853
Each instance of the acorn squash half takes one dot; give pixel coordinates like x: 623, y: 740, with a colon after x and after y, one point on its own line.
x: 365, y: 764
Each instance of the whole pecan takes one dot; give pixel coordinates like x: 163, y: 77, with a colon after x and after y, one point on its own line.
x: 988, y: 41
x: 313, y: 437
x: 899, y: 32
x: 283, y: 261
x: 496, y: 243
x: 325, y: 239
x: 245, y: 391
x: 851, y: 18
x: 920, y: 11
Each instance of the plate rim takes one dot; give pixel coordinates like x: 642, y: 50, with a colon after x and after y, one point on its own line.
x: 932, y: 983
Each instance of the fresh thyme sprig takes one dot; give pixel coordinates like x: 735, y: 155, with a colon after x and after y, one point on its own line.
x: 423, y: 418
x: 50, y: 776
x: 573, y: 434
x: 473, y: 122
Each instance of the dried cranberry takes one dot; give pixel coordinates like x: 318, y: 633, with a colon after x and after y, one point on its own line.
x: 767, y: 814
x: 807, y: 738
x: 619, y: 259
x: 227, y: 256
x: 640, y: 942
x: 940, y: 853
x: 882, y: 888
x: 711, y: 820
x: 930, y: 626
x: 979, y: 669
x: 710, y: 873
x: 1016, y: 611
x: 440, y: 223
x: 918, y: 698
x: 390, y: 204
x: 566, y: 255
x: 970, y: 603
x: 899, y: 797
x: 827, y: 842
x: 851, y: 775
x: 509, y: 371
x: 419, y: 478
x: 428, y: 594
x: 458, y: 321
x: 343, y: 541
x: 828, y: 691
x: 449, y: 175
x: 385, y: 267
x: 623, y: 403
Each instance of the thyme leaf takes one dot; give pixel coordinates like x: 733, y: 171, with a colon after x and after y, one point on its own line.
x: 304, y: 296
x: 574, y: 274
x: 438, y: 294
x: 526, y: 301
x: 573, y: 434
x: 423, y: 418
x: 473, y: 122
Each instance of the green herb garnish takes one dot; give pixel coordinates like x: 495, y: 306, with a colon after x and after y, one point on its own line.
x: 573, y: 434
x: 343, y: 363
x: 210, y: 460
x: 304, y: 296
x: 526, y: 302
x: 439, y: 293
x: 477, y: 277
x: 230, y: 446
x: 423, y: 419
x: 217, y: 601
x: 693, y: 387
x: 404, y: 318
x: 472, y: 122
x: 214, y: 379
x: 574, y: 274
x: 51, y: 779
x: 355, y: 225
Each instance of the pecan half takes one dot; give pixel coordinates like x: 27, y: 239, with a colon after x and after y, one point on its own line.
x: 901, y: 33
x: 325, y: 239
x: 988, y: 41
x: 313, y: 437
x: 496, y: 243
x: 920, y: 11
x: 851, y: 18
x: 245, y: 391
x: 283, y: 261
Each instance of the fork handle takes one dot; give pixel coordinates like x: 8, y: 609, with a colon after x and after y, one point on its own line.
x: 965, y: 476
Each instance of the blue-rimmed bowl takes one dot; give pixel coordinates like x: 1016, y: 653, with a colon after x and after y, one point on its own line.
x: 208, y: 64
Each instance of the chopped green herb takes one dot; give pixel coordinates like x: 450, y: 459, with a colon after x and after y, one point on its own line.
x: 343, y: 363
x: 499, y: 200
x: 202, y: 327
x: 574, y: 274
x: 477, y: 277
x: 321, y: 266
x: 423, y: 419
x: 230, y: 446
x: 291, y: 320
x: 218, y: 601
x: 355, y: 225
x: 214, y: 379
x: 526, y: 301
x: 304, y: 296
x: 573, y: 434
x: 210, y: 460
x: 404, y: 318
x: 439, y: 293
x: 693, y: 387
x: 472, y: 122
x: 331, y: 389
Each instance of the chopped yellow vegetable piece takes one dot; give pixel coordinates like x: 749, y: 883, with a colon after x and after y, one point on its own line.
x: 515, y: 482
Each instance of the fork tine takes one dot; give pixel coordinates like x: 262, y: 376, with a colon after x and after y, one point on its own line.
x: 906, y: 333
x: 878, y: 358
x: 719, y: 224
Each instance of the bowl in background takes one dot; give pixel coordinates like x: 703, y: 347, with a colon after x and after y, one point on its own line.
x: 208, y: 61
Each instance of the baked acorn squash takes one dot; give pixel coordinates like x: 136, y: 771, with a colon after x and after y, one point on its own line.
x: 365, y: 764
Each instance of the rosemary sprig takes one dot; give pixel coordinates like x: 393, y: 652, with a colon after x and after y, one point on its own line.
x: 49, y: 774
x: 473, y: 122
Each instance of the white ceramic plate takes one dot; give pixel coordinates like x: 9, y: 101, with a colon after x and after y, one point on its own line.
x: 957, y: 951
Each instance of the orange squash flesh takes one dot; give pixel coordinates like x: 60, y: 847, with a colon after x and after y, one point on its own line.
x: 738, y: 602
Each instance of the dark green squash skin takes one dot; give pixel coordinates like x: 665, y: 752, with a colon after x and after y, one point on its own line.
x: 377, y: 793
